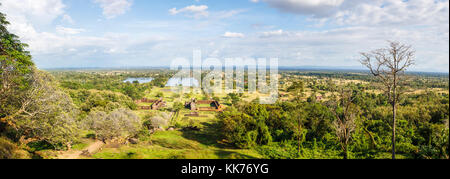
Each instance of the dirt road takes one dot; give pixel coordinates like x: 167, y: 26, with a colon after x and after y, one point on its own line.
x: 92, y: 148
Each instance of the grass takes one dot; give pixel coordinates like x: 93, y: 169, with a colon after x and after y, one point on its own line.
x: 157, y: 152
x: 176, y: 145
x: 80, y: 146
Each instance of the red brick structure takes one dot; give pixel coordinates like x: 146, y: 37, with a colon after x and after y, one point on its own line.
x: 157, y: 104
x: 144, y: 107
x: 191, y: 105
x: 214, y: 105
x: 145, y: 100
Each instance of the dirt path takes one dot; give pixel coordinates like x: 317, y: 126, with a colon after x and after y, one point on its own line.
x: 92, y: 148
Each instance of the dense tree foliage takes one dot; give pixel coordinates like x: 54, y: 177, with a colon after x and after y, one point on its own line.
x: 48, y: 114
x: 94, y: 100
x: 279, y: 130
x: 112, y: 81
x: 16, y: 70
x: 32, y: 107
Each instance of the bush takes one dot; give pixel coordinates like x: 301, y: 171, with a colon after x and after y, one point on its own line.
x: 282, y: 150
x: 159, y: 121
x: 243, y: 130
x: 119, y: 123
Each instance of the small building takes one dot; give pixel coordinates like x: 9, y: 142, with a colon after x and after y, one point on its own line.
x: 195, y: 105
x: 145, y: 100
x: 191, y: 104
x: 157, y: 104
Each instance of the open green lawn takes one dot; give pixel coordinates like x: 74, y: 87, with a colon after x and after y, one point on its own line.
x: 176, y: 145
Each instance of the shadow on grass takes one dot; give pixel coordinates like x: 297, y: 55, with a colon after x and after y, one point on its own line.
x: 209, y: 134
x: 179, y: 144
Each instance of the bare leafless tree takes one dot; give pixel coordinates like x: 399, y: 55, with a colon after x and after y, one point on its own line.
x: 346, y: 113
x: 389, y: 65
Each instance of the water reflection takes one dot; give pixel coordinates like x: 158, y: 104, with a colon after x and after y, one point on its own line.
x: 140, y: 80
x: 186, y: 82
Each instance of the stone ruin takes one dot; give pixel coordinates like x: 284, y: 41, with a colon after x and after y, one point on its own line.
x: 193, y: 105
x: 157, y: 104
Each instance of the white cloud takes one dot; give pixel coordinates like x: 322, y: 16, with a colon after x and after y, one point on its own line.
x: 318, y: 8
x: 43, y: 11
x: 192, y: 11
x: 68, y: 31
x: 25, y: 15
x: 393, y: 12
x: 68, y: 19
x: 227, y: 14
x: 273, y: 33
x: 368, y: 12
x: 201, y: 11
x: 365, y: 25
x: 64, y: 39
x: 233, y: 35
x: 114, y: 8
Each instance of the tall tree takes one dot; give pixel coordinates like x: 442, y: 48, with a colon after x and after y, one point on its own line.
x: 46, y: 113
x: 15, y: 72
x: 31, y: 103
x: 297, y: 126
x: 345, y: 112
x: 389, y: 65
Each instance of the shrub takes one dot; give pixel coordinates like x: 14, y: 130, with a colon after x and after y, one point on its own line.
x: 158, y: 121
x: 282, y: 150
x: 119, y: 123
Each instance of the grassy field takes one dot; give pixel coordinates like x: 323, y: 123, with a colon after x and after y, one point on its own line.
x: 176, y: 145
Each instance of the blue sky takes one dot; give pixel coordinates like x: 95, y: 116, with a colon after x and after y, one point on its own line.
x: 133, y: 33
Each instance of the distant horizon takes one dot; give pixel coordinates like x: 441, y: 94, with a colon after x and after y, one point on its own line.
x: 312, y: 68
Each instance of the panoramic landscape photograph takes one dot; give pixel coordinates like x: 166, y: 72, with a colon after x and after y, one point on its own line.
x: 224, y: 79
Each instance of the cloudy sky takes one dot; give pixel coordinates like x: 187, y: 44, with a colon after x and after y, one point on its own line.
x: 132, y: 33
